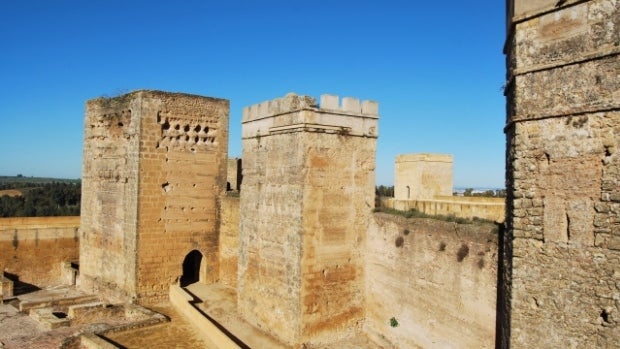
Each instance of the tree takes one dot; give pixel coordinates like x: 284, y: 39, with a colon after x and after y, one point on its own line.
x: 382, y: 190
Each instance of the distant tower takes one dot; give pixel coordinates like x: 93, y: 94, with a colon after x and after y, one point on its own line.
x: 560, y: 281
x: 307, y: 197
x: 154, y: 167
x: 422, y: 176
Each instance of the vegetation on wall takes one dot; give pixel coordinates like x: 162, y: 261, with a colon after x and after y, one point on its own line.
x: 35, y: 197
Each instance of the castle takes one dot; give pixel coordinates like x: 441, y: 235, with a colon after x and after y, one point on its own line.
x: 309, y: 261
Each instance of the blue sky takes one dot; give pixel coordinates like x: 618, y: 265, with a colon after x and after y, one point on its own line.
x: 436, y: 68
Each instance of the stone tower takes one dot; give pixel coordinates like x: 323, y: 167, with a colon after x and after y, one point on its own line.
x: 560, y: 281
x: 154, y: 167
x: 306, y: 199
x: 422, y: 176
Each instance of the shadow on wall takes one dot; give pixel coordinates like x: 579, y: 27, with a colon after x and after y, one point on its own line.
x: 20, y: 287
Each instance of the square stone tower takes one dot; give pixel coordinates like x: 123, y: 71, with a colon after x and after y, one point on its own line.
x: 306, y: 198
x: 154, y: 166
x: 560, y: 279
x: 422, y: 176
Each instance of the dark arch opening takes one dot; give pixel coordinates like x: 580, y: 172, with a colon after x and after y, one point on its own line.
x: 191, y: 268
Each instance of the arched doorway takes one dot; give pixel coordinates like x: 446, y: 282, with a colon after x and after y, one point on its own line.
x: 191, y: 268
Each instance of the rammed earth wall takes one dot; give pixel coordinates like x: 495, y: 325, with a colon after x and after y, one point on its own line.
x: 32, y: 249
x: 436, y: 280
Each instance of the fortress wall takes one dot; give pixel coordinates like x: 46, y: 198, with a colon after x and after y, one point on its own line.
x: 33, y: 248
x: 463, y: 207
x: 109, y: 196
x: 229, y: 240
x: 270, y: 245
x: 338, y: 200
x: 437, y: 279
x: 233, y: 174
x: 560, y: 284
x: 308, y: 189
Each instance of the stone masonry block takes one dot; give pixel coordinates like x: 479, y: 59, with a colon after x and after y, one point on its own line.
x: 352, y: 105
x: 330, y: 102
x: 370, y: 108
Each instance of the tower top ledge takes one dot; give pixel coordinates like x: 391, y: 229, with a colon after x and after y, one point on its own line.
x: 329, y: 103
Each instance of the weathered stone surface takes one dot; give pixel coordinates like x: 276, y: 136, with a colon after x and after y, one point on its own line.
x: 422, y: 176
x: 154, y: 167
x: 559, y: 280
x: 32, y: 249
x: 233, y: 174
x: 573, y: 34
x: 229, y: 241
x: 308, y: 191
x: 437, y: 279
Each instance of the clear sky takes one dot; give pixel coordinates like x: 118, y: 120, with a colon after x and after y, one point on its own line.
x: 435, y: 67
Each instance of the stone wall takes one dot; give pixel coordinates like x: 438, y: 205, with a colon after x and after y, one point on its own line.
x: 110, y: 165
x: 154, y: 168
x: 233, y: 174
x: 422, y: 176
x: 307, y: 194
x: 32, y: 249
x: 458, y: 206
x: 560, y: 284
x: 229, y: 241
x: 436, y: 279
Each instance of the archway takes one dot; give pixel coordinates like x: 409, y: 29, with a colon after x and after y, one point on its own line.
x: 191, y: 268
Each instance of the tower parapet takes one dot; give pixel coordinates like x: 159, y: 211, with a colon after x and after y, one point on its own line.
x: 294, y: 113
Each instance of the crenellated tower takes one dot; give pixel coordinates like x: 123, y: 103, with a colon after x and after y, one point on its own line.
x: 307, y: 196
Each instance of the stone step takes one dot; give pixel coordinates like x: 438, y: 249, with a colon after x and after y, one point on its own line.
x: 49, y: 319
x: 26, y: 305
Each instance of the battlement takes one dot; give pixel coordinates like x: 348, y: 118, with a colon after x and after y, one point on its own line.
x: 349, y: 105
x: 292, y: 102
x: 425, y: 157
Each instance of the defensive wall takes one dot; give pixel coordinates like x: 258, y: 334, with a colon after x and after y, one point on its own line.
x: 34, y: 250
x: 154, y: 169
x: 492, y: 209
x: 233, y: 174
x: 229, y: 241
x: 559, y: 279
x: 436, y: 279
